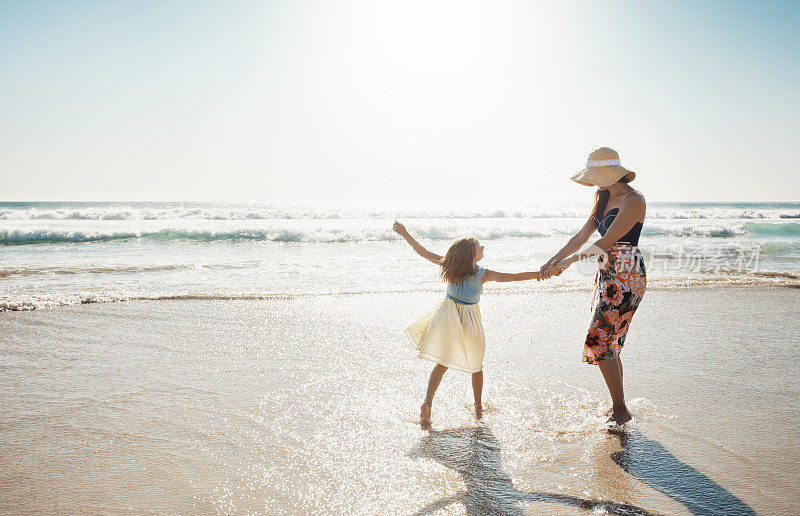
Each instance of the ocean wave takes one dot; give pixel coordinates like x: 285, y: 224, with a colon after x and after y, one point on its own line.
x: 10, y: 237
x: 789, y: 229
x: 52, y: 236
x: 782, y: 250
x: 10, y: 272
x: 132, y: 214
x: 694, y: 231
x: 38, y: 302
x: 755, y: 229
x: 215, y: 211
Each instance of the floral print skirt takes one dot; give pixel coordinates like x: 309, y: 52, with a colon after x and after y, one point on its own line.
x: 619, y: 286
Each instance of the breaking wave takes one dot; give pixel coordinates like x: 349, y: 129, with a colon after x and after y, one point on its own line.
x: 340, y: 235
x: 218, y: 211
x: 51, y: 236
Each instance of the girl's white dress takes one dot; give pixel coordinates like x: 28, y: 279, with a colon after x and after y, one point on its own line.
x: 452, y: 335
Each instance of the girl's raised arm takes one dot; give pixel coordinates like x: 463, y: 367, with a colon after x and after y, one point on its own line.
x: 403, y: 232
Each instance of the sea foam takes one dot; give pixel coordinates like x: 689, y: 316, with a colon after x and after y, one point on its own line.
x: 343, y: 234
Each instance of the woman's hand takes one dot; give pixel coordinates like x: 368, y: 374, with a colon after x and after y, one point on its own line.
x: 399, y: 229
x: 574, y: 245
x: 562, y: 266
x: 546, y: 270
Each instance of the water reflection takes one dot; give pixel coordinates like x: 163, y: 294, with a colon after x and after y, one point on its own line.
x: 475, y: 454
x: 651, y: 463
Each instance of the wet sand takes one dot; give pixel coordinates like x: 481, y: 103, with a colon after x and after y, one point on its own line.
x: 309, y: 405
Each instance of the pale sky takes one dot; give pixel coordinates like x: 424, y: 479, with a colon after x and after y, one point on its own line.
x: 392, y: 101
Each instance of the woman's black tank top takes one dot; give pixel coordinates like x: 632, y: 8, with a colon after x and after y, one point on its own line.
x: 631, y: 237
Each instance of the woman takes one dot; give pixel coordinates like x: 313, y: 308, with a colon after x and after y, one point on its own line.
x: 618, y: 215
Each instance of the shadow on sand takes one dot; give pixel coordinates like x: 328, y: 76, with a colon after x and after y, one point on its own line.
x: 648, y: 461
x: 475, y: 454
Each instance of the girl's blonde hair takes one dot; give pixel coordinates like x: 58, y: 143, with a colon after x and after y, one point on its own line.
x: 459, y: 262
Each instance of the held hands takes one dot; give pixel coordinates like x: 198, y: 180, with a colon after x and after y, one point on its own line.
x: 553, y: 267
x: 561, y: 267
x: 544, y: 271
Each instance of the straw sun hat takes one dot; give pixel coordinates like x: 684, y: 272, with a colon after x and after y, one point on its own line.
x: 603, y: 169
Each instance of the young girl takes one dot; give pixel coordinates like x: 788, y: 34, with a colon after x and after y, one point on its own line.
x: 452, y: 335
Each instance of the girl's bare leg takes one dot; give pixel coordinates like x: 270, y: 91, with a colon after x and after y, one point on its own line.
x: 433, y: 384
x: 477, y: 390
x: 612, y: 374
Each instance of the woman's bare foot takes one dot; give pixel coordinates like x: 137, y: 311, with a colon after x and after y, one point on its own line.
x: 620, y: 416
x: 478, y: 411
x: 425, y: 415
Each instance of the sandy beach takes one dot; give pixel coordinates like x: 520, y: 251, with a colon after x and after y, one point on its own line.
x: 218, y: 222
x: 308, y: 404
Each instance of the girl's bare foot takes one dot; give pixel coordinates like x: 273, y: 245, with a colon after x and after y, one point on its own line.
x: 425, y: 415
x: 620, y: 416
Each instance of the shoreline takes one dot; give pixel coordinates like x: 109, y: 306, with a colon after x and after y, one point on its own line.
x: 766, y: 281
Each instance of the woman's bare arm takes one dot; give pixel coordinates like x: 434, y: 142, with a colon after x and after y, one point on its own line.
x: 419, y: 248
x: 574, y: 245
